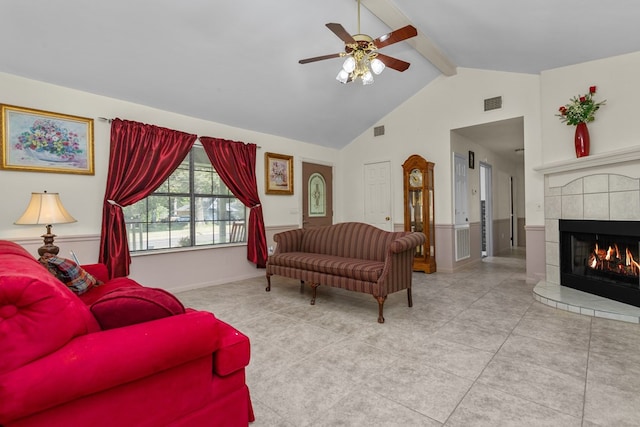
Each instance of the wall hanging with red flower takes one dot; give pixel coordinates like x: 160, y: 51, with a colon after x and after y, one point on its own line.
x: 579, y: 112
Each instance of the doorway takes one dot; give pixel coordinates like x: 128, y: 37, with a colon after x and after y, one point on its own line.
x: 317, y: 195
x: 486, y: 210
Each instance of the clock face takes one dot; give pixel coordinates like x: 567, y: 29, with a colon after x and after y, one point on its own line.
x: 415, y: 178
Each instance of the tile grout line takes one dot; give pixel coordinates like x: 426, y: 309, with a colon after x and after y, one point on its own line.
x: 586, y: 374
x: 485, y: 367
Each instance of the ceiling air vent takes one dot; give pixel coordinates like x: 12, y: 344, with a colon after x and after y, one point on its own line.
x: 378, y: 131
x: 493, y: 103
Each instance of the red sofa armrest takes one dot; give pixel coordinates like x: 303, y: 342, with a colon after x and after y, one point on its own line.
x: 234, y: 351
x: 288, y: 241
x: 408, y: 242
x: 102, y: 360
x: 99, y: 271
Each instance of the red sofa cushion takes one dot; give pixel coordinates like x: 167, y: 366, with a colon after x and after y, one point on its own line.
x: 99, y: 291
x: 128, y: 306
x: 358, y: 269
x: 38, y: 314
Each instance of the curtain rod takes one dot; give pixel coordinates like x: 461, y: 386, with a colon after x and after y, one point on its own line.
x: 104, y: 119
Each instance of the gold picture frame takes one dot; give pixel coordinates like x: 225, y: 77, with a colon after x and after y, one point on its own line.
x: 278, y: 174
x: 43, y: 141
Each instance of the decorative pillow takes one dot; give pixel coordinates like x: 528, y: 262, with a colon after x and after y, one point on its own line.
x: 69, y: 273
x: 128, y: 306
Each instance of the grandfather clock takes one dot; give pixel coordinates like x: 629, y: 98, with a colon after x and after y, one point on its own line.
x: 418, y: 209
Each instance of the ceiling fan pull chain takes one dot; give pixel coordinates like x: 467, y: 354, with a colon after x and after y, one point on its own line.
x: 358, y: 16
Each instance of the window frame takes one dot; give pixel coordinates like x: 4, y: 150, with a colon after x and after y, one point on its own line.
x: 164, y: 191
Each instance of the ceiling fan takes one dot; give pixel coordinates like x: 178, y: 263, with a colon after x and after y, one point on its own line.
x: 362, y: 53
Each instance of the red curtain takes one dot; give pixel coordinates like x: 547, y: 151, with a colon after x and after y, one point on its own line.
x: 235, y: 162
x: 142, y: 157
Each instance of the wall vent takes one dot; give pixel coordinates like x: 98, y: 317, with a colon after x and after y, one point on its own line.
x: 463, y: 242
x: 378, y: 131
x: 493, y: 103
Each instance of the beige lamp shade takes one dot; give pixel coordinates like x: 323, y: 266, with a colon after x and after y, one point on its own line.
x: 45, y: 208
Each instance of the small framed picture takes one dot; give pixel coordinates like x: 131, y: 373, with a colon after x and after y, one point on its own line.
x: 278, y: 170
x: 42, y: 141
x: 472, y: 160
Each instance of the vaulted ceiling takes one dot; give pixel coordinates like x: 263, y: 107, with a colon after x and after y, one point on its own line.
x: 236, y: 62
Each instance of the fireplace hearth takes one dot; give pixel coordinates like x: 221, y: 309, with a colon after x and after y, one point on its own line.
x: 601, y: 258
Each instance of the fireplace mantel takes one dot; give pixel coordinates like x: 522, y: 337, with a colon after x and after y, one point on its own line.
x: 605, y: 187
x: 617, y: 157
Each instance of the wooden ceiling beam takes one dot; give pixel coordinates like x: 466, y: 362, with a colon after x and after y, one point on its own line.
x: 388, y: 13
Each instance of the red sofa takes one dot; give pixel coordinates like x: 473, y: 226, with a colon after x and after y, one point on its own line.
x: 58, y: 368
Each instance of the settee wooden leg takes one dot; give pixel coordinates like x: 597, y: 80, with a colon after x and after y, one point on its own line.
x: 381, y: 301
x: 302, y: 286
x: 409, y: 299
x: 314, y: 286
x: 268, y: 282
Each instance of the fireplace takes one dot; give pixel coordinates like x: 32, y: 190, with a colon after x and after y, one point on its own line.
x: 601, y: 258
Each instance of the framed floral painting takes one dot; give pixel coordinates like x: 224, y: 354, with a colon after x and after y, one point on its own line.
x: 42, y: 141
x: 278, y: 170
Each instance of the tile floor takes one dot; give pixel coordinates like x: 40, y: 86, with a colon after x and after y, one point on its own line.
x: 476, y: 349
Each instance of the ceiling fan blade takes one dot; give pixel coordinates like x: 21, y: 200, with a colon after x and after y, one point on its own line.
x: 394, y: 63
x: 339, y: 31
x: 396, y: 36
x: 319, y: 58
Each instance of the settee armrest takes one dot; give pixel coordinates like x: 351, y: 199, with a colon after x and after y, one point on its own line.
x: 99, y: 271
x: 288, y: 241
x: 99, y: 361
x: 407, y: 242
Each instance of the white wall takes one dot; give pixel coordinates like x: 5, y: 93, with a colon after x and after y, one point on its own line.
x: 614, y: 128
x: 422, y: 126
x: 83, y: 195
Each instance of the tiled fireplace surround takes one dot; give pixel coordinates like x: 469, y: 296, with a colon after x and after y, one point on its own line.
x: 602, y: 187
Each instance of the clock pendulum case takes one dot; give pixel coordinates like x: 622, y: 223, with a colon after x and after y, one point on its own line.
x: 418, y: 209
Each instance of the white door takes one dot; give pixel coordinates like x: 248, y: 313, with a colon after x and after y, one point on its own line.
x: 461, y: 208
x: 377, y: 195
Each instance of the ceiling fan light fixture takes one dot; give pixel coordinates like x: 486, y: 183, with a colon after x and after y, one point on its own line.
x: 367, y: 78
x: 349, y: 64
x: 342, y: 77
x: 377, y: 66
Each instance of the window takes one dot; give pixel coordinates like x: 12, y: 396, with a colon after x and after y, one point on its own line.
x: 193, y: 207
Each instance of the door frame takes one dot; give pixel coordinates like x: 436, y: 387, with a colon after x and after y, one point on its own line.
x: 487, y: 170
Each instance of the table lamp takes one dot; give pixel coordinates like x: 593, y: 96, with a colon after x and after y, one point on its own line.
x: 46, y: 208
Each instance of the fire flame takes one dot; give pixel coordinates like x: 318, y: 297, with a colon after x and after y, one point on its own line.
x: 611, y: 260
x: 630, y: 262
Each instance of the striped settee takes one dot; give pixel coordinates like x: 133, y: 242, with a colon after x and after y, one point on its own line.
x: 350, y: 255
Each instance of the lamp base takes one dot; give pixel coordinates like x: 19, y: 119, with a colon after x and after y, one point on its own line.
x: 48, y: 247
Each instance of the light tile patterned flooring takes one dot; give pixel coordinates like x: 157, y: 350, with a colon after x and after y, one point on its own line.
x: 476, y: 349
